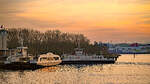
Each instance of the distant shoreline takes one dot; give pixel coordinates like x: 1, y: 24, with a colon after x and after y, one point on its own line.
x: 133, y: 53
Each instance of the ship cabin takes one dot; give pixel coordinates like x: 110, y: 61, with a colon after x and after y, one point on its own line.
x: 19, y: 55
x: 22, y: 51
x: 49, y: 59
x: 79, y: 51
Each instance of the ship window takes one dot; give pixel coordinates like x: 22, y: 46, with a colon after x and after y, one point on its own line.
x: 100, y: 57
x: 43, y: 59
x: 24, y: 59
x: 50, y: 58
x: 56, y: 58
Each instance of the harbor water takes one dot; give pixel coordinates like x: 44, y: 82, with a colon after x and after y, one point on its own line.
x: 129, y: 69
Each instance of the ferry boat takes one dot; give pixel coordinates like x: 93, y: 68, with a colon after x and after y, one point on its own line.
x: 49, y: 59
x: 81, y: 58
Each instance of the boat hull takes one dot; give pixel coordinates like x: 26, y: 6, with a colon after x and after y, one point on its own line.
x: 20, y: 66
x: 88, y: 62
x: 47, y: 64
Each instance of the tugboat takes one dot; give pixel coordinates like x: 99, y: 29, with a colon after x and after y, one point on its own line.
x: 81, y: 58
x: 19, y: 59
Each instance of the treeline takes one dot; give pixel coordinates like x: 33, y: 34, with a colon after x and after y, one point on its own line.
x: 53, y: 41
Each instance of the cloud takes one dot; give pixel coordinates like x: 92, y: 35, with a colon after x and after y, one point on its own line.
x: 98, y: 19
x: 132, y: 1
x: 8, y: 7
x: 13, y: 6
x: 144, y: 22
x: 102, y: 29
x: 11, y: 11
x: 25, y: 22
x: 146, y: 17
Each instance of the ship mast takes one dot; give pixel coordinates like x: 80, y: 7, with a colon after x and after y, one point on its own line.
x: 20, y: 37
x: 78, y: 44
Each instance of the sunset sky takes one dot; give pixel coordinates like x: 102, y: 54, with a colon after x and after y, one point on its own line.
x: 99, y: 20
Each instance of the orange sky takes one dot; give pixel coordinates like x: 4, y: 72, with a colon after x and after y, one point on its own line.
x: 100, y: 20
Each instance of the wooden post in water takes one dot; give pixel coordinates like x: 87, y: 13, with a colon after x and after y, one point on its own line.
x: 134, y: 55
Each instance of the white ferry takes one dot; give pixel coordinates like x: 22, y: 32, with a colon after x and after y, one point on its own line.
x: 81, y: 57
x: 49, y: 59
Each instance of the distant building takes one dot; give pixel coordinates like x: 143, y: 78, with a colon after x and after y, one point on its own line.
x: 125, y: 48
x: 130, y: 49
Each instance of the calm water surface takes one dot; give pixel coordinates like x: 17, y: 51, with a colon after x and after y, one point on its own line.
x: 128, y: 69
